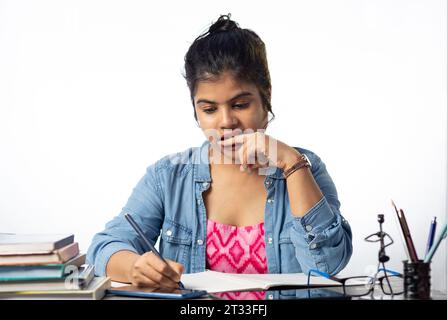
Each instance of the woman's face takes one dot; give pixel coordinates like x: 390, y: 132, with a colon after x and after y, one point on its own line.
x: 227, y: 106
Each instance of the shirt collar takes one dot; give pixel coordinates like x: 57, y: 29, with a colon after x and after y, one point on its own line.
x: 201, y: 163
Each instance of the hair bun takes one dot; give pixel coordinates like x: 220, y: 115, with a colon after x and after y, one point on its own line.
x: 224, y: 23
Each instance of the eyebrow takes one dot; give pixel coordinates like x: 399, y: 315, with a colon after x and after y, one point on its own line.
x: 240, y: 95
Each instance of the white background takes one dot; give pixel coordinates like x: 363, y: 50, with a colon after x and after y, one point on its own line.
x: 91, y: 93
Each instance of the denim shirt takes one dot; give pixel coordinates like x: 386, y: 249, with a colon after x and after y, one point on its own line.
x: 169, y: 200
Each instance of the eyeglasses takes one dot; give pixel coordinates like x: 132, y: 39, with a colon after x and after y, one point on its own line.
x: 391, y: 283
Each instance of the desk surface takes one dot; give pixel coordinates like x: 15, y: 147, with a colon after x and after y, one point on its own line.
x: 279, y: 293
x: 315, y: 293
x: 282, y: 294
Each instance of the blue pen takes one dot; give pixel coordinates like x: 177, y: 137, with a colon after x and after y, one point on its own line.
x: 147, y: 242
x: 432, y: 251
x: 431, y: 235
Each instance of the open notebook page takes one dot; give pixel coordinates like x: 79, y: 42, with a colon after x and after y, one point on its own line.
x: 213, y: 281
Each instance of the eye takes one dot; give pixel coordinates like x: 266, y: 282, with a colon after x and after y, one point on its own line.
x: 209, y: 110
x: 241, y: 105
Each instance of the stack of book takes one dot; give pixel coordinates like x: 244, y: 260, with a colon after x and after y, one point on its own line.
x: 46, y: 266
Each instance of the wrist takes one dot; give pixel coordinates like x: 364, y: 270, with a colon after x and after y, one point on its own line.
x: 132, y: 261
x: 289, y: 159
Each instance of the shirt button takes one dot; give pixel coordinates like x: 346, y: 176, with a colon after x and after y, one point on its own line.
x: 313, y: 245
x: 200, y: 242
x: 199, y: 202
x: 169, y: 233
x: 270, y: 200
x: 309, y: 228
x: 268, y: 182
x: 270, y: 240
x: 205, y: 184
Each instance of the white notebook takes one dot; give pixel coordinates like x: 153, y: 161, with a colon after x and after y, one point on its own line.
x: 213, y: 281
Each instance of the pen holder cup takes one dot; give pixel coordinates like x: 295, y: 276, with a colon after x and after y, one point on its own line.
x: 417, y: 280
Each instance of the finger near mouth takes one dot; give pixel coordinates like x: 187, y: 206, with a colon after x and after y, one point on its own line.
x: 233, y: 146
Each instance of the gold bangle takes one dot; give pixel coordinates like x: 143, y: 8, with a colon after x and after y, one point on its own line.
x: 303, y: 162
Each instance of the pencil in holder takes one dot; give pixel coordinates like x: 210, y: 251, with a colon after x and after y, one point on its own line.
x: 417, y: 279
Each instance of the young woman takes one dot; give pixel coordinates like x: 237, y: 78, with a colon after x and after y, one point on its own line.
x: 243, y: 202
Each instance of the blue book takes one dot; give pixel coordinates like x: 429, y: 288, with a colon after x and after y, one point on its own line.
x: 39, y: 272
x: 75, y: 281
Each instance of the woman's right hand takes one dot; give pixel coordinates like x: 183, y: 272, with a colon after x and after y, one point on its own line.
x: 148, y: 270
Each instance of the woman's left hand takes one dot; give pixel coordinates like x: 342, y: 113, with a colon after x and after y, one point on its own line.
x: 258, y: 150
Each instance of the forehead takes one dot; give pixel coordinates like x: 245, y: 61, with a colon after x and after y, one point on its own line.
x: 222, y: 88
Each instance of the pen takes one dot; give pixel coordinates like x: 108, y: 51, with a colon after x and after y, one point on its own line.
x: 408, y: 238
x: 406, y: 233
x: 147, y: 242
x: 432, y: 251
x: 404, y: 245
x: 431, y: 235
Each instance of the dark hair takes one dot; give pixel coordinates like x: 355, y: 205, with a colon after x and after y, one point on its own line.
x: 226, y: 47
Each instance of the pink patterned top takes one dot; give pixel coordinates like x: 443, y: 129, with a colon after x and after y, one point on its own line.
x: 233, y: 249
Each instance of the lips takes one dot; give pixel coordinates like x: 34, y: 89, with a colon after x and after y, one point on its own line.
x: 231, y: 134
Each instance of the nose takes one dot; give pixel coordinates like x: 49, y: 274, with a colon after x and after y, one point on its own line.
x: 228, y: 119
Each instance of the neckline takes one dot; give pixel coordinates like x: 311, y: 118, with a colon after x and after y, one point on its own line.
x: 252, y: 226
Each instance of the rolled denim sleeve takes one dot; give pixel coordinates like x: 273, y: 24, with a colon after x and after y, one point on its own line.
x: 146, y: 207
x: 322, y: 237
